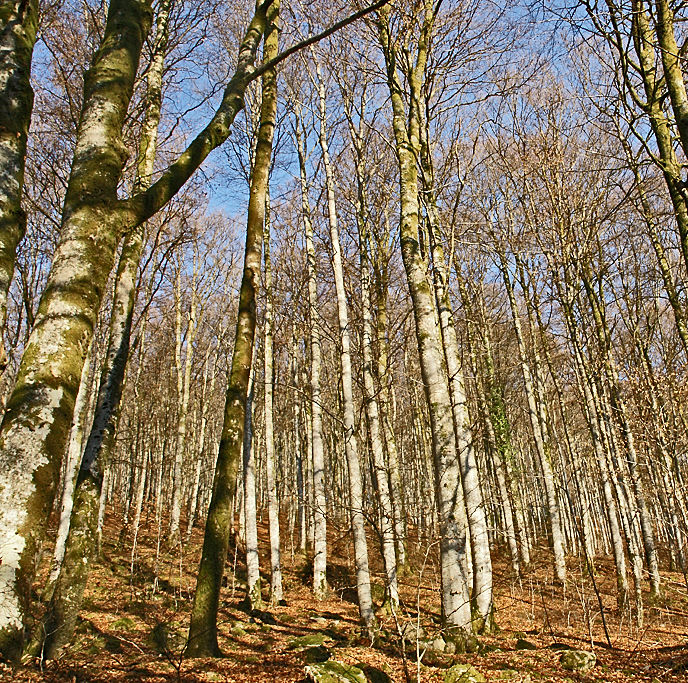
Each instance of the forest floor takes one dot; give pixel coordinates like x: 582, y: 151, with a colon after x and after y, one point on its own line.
x: 133, y: 627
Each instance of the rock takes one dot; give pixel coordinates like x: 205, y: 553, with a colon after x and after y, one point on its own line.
x: 334, y: 672
x: 578, y: 660
x: 412, y: 632
x: 523, y: 644
x: 303, y: 642
x: 463, y: 673
x: 437, y: 644
x: 315, y: 655
x: 373, y: 674
x: 460, y: 642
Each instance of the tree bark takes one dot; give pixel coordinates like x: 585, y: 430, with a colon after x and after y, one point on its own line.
x: 453, y: 539
x: 18, y: 27
x: 317, y: 455
x: 203, y: 628
x: 365, y: 601
x: 276, y: 591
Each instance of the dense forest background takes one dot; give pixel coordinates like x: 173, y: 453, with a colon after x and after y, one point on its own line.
x: 340, y: 334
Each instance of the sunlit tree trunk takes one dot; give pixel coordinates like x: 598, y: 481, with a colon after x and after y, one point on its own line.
x: 253, y: 585
x: 276, y: 591
x: 554, y: 515
x: 40, y: 410
x: 371, y: 404
x: 18, y: 28
x: 315, y: 431
x: 450, y: 504
x: 365, y: 601
x: 183, y: 394
x: 203, y: 628
x: 72, y: 462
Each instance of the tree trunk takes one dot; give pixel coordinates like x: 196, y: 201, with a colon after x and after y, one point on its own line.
x: 365, y: 601
x: 253, y: 588
x: 40, y: 410
x: 371, y: 405
x: 18, y: 28
x: 453, y: 540
x: 317, y: 455
x: 553, y: 512
x: 203, y: 628
x: 276, y: 591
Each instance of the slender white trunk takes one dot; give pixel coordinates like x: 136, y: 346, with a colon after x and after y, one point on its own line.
x: 553, y: 512
x: 365, y: 601
x: 371, y: 404
x: 251, y: 530
x: 183, y: 392
x: 276, y: 592
x: 73, y: 460
x: 317, y: 460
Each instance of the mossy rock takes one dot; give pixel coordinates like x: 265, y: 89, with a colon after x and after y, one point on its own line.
x: 463, y: 673
x: 580, y: 661
x: 460, y: 642
x: 315, y: 655
x: 412, y: 632
x: 373, y: 674
x: 303, y: 642
x: 334, y: 672
x: 378, y: 592
x: 164, y: 639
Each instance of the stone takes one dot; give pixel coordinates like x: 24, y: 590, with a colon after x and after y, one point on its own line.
x: 334, y: 672
x: 450, y: 647
x: 523, y: 644
x: 373, y: 674
x: 315, y: 655
x: 412, y: 632
x: 578, y: 660
x: 463, y: 673
x: 303, y: 642
x: 437, y: 644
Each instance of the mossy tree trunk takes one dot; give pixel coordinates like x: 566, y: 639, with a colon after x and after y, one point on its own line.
x: 450, y: 504
x: 83, y: 540
x: 18, y: 27
x: 203, y: 629
x: 40, y: 410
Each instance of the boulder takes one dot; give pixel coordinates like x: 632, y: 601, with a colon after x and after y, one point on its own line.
x: 303, y: 642
x: 373, y: 674
x: 580, y: 661
x: 412, y: 632
x: 437, y: 644
x: 315, y: 655
x: 463, y: 673
x: 334, y: 672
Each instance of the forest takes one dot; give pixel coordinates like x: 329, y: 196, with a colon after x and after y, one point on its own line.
x: 343, y: 341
